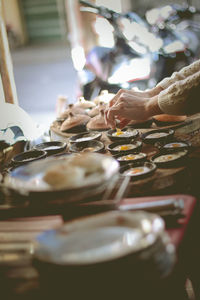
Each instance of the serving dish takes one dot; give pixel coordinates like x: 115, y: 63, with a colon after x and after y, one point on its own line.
x: 101, y: 234
x: 130, y: 158
x: 28, y: 156
x: 88, y: 146
x: 124, y: 147
x: 176, y: 146
x: 126, y: 134
x: 98, y: 123
x: 138, y: 170
x: 52, y: 147
x: 105, y: 248
x: 71, y: 178
x: 85, y: 137
x: 166, y: 120
x: 75, y: 123
x: 172, y: 159
x: 102, y: 251
x: 158, y: 136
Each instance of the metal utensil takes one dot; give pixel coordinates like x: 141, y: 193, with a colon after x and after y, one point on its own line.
x: 161, y: 207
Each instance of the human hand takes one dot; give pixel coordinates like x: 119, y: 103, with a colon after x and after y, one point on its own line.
x: 137, y: 93
x: 127, y: 106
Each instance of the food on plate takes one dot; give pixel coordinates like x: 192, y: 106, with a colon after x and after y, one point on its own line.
x: 76, y: 171
x: 98, y: 122
x: 156, y: 135
x: 136, y: 171
x: 73, y: 121
x: 96, y: 110
x: 175, y: 145
x: 169, y: 157
x: 125, y: 133
x: 124, y: 147
x: 64, y: 175
x: 169, y: 118
x: 84, y: 103
x: 118, y: 132
x: 72, y: 109
x: 131, y: 157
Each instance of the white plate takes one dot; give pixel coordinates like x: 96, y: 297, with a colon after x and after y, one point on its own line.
x: 29, y: 178
x: 99, y: 238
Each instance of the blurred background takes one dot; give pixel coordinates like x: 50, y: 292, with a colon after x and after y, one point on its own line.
x: 41, y: 34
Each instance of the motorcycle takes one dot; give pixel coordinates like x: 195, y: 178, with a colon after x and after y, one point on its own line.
x: 142, y: 52
x: 180, y: 34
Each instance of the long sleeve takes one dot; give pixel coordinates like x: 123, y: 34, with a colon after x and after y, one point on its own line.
x: 181, y: 97
x: 182, y: 74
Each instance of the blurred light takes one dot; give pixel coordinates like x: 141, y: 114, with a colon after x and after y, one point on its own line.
x: 138, y: 48
x: 176, y: 46
x: 152, y: 16
x: 140, y: 37
x: 112, y: 4
x: 166, y: 11
x: 78, y: 58
x: 136, y: 69
x: 105, y: 32
x: 146, y: 225
x: 158, y: 15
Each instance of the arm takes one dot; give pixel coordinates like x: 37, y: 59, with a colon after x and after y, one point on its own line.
x: 182, y: 97
x: 130, y: 107
x: 179, y: 98
x: 182, y: 74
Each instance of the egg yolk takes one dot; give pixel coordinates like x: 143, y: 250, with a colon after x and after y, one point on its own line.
x: 125, y: 148
x: 136, y: 171
x: 175, y: 145
x: 130, y: 157
x: 169, y: 157
x: 118, y: 131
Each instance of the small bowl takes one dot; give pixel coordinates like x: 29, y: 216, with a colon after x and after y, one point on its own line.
x: 163, y: 136
x: 82, y: 147
x: 137, y: 145
x: 51, y: 148
x: 170, y: 160
x: 141, y: 157
x: 174, y: 146
x: 133, y: 135
x: 148, y: 168
x: 85, y: 137
x: 28, y: 156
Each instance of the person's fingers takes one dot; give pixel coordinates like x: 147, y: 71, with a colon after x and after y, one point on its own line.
x: 105, y: 116
x: 116, y: 97
x: 123, y: 123
x: 112, y: 113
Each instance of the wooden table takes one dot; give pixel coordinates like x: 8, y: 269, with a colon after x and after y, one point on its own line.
x: 22, y: 280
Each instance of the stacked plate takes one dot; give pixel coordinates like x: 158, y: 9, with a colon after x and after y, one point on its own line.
x: 69, y: 179
x: 106, y: 256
